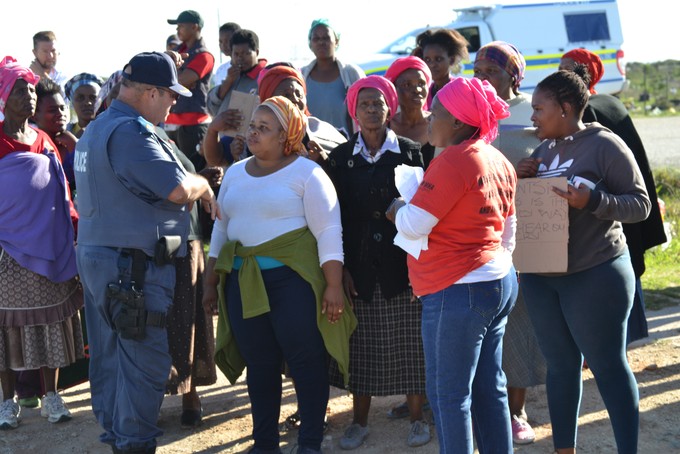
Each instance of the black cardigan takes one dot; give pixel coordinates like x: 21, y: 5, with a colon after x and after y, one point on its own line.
x: 365, y: 191
x: 611, y: 113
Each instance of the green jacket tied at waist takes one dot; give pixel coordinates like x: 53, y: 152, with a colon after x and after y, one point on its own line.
x: 296, y: 249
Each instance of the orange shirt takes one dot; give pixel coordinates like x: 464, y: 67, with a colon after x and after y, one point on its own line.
x: 470, y: 188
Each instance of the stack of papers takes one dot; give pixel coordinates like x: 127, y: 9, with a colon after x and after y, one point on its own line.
x: 407, y: 179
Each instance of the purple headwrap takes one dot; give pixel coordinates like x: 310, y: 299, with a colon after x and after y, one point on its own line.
x: 505, y: 55
x: 381, y: 84
x: 10, y: 72
x: 400, y: 65
x: 474, y: 102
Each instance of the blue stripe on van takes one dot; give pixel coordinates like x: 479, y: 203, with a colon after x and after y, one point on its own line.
x: 533, y: 5
x: 530, y: 88
x: 534, y: 62
x: 552, y: 61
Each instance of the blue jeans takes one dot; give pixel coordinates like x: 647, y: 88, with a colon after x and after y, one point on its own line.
x: 288, y: 332
x: 463, y: 327
x: 127, y: 377
x: 585, y: 314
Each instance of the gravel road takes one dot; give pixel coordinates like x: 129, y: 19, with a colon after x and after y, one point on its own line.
x: 661, y: 137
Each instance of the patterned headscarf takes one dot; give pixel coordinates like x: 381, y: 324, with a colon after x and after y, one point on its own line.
x: 402, y: 64
x: 292, y: 121
x: 592, y: 62
x: 474, y: 102
x: 113, y: 80
x: 78, y: 81
x: 505, y: 55
x: 381, y: 84
x: 270, y: 78
x: 10, y: 72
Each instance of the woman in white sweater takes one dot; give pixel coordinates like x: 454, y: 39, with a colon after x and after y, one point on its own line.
x: 278, y: 210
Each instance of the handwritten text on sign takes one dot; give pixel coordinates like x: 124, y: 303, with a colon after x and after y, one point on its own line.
x: 542, y: 226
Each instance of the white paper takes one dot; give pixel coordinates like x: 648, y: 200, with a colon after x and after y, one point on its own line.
x: 407, y: 179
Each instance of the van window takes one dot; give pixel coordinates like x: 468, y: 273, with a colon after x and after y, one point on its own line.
x: 403, y: 45
x: 406, y: 44
x: 472, y: 36
x: 587, y: 27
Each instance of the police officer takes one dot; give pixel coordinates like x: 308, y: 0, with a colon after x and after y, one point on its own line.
x: 132, y: 197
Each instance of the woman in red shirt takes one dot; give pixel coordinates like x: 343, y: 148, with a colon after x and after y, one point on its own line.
x: 465, y: 278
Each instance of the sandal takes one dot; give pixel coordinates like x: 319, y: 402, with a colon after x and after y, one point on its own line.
x: 398, y: 412
x: 401, y: 410
x: 293, y: 421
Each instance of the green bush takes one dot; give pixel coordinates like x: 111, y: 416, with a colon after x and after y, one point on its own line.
x: 661, y: 280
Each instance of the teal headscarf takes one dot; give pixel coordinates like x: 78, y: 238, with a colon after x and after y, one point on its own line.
x: 326, y: 22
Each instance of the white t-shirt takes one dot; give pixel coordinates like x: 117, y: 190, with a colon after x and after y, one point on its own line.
x: 258, y: 209
x: 221, y: 73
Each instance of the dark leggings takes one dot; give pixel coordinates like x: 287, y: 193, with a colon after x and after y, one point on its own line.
x: 288, y: 332
x: 586, y: 313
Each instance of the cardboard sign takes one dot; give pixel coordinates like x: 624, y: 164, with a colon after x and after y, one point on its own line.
x: 246, y: 103
x: 542, y: 226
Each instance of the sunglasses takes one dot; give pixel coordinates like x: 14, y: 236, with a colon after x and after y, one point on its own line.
x: 172, y: 94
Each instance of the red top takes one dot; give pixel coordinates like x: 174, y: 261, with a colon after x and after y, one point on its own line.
x: 202, y: 64
x: 470, y: 188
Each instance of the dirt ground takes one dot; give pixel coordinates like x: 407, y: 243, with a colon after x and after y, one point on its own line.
x: 227, y: 423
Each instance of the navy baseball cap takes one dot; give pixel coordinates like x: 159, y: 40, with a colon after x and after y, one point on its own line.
x: 187, y: 17
x: 154, y: 68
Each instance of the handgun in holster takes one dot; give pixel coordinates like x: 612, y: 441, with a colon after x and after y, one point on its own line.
x: 133, y: 318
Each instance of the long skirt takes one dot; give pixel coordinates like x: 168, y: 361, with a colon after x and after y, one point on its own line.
x: 523, y: 361
x: 190, y: 329
x: 39, y: 322
x: 386, y: 350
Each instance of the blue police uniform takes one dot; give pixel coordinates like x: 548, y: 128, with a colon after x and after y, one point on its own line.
x: 125, y: 173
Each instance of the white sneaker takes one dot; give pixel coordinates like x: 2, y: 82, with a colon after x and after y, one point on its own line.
x: 54, y: 409
x: 9, y: 414
x: 419, y: 434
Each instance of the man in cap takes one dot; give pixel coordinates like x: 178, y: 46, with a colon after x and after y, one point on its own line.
x: 194, y: 64
x: 133, y: 194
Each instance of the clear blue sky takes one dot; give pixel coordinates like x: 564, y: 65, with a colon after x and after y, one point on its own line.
x: 106, y: 40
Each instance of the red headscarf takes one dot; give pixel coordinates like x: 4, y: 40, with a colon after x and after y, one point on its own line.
x: 474, y: 102
x: 402, y: 64
x: 592, y: 62
x: 381, y: 84
x: 270, y: 78
x: 10, y: 72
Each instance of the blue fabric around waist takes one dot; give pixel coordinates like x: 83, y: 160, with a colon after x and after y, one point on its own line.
x: 266, y: 263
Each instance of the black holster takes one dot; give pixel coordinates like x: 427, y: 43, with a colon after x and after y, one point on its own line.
x: 133, y: 318
x: 166, y: 249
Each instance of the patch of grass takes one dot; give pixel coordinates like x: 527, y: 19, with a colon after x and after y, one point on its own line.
x: 661, y: 281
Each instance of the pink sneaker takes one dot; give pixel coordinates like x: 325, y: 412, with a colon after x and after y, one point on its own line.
x: 522, y: 433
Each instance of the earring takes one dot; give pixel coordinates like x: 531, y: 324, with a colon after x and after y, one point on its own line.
x: 564, y: 115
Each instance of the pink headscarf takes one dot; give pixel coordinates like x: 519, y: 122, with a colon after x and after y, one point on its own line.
x: 10, y: 72
x: 381, y: 84
x: 402, y: 64
x: 474, y: 102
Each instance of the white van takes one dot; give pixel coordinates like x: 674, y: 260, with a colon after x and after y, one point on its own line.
x: 543, y: 32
